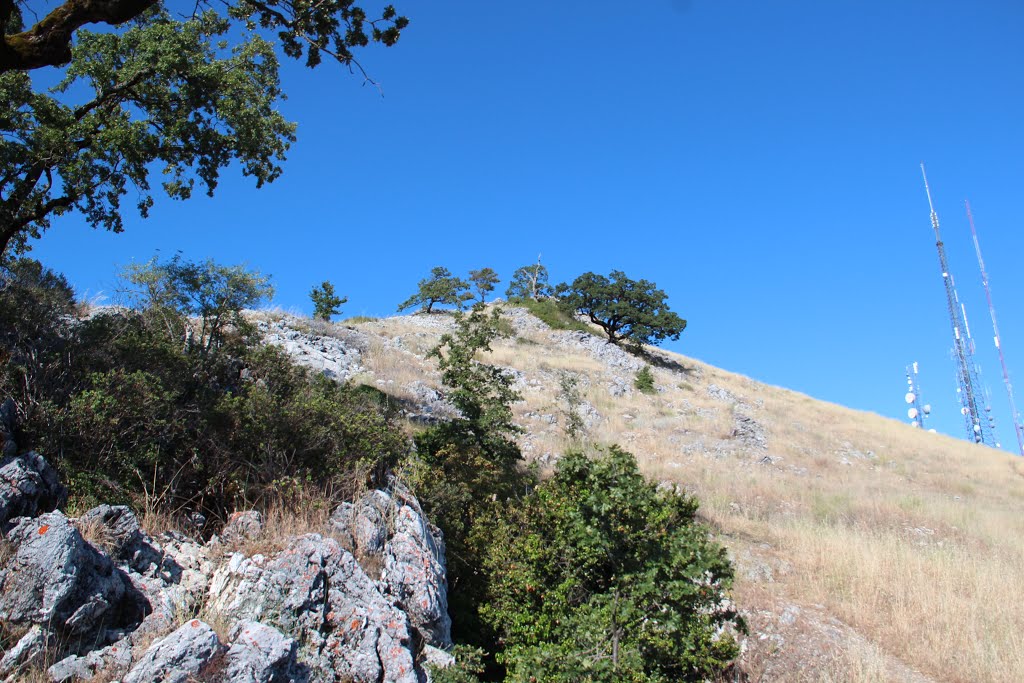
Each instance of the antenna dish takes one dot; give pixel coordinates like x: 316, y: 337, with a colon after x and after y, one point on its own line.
x: 910, y: 397
x: 927, y: 409
x: 912, y: 413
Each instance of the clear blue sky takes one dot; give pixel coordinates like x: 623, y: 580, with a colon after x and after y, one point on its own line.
x: 757, y: 160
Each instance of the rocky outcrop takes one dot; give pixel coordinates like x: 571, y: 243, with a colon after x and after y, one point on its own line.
x: 28, y: 486
x: 335, y: 357
x: 58, y: 581
x: 390, y: 531
x: 317, y: 593
x: 261, y: 654
x: 178, y: 657
x: 365, y: 601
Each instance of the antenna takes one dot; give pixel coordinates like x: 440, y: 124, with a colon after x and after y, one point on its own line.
x: 977, y: 427
x: 1018, y: 427
x: 917, y: 412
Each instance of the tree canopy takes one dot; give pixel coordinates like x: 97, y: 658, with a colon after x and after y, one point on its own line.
x: 441, y: 288
x: 529, y: 282
x: 483, y: 281
x: 182, y: 98
x: 633, y: 311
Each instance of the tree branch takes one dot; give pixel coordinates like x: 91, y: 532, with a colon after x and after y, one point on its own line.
x: 48, y: 42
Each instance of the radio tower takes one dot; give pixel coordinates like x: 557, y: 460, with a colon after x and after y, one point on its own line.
x: 963, y: 345
x: 917, y: 412
x: 1018, y: 428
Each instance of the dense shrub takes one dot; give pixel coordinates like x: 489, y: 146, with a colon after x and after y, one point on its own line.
x: 551, y: 314
x: 644, y: 380
x: 465, y: 467
x: 36, y: 306
x: 598, y: 576
x: 150, y: 404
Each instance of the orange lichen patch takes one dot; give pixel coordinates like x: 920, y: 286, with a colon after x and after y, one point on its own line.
x: 354, y: 625
x: 43, y: 529
x: 195, y: 623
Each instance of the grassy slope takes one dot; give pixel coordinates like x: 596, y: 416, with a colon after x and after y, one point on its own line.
x: 867, y: 550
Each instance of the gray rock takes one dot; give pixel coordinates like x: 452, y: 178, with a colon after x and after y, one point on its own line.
x: 30, y: 649
x: 177, y: 657
x: 433, y: 657
x: 414, y: 571
x: 242, y: 526
x: 115, y: 657
x: 316, y: 593
x: 610, y: 355
x: 721, y: 394
x: 260, y: 654
x: 56, y: 578
x: 28, y: 486
x: 749, y: 431
x: 122, y: 538
x: 390, y: 529
x: 337, y: 357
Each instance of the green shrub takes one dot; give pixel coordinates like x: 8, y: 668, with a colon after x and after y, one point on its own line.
x: 644, y: 381
x: 551, y: 314
x: 134, y: 406
x: 36, y: 306
x: 598, y: 576
x: 466, y: 669
x: 465, y: 467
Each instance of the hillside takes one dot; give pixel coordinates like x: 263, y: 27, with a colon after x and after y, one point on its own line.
x: 866, y: 550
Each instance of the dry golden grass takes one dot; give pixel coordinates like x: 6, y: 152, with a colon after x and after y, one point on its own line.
x: 912, y: 540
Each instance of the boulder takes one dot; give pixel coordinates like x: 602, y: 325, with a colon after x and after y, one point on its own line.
x: 29, y: 650
x: 115, y: 657
x: 178, y: 657
x: 28, y: 486
x: 389, y: 530
x: 316, y: 593
x: 121, y: 537
x: 56, y: 579
x: 260, y: 654
x: 242, y: 526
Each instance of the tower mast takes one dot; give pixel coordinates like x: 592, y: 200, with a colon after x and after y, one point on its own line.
x: 963, y: 350
x: 1018, y: 428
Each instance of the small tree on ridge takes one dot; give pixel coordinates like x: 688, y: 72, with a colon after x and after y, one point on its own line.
x: 325, y: 302
x: 440, y: 288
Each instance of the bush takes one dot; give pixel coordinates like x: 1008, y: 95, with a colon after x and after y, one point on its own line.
x: 133, y: 407
x: 598, y: 576
x: 466, y: 467
x: 551, y: 314
x: 644, y: 381
x: 36, y: 306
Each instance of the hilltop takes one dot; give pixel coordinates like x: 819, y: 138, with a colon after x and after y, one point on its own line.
x: 866, y: 550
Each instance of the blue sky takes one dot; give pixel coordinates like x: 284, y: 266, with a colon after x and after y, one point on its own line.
x: 757, y: 160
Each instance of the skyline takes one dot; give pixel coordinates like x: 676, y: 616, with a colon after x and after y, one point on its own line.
x: 758, y: 161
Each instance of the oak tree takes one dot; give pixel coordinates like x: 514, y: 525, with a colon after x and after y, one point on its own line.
x: 630, y: 311
x: 181, y: 98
